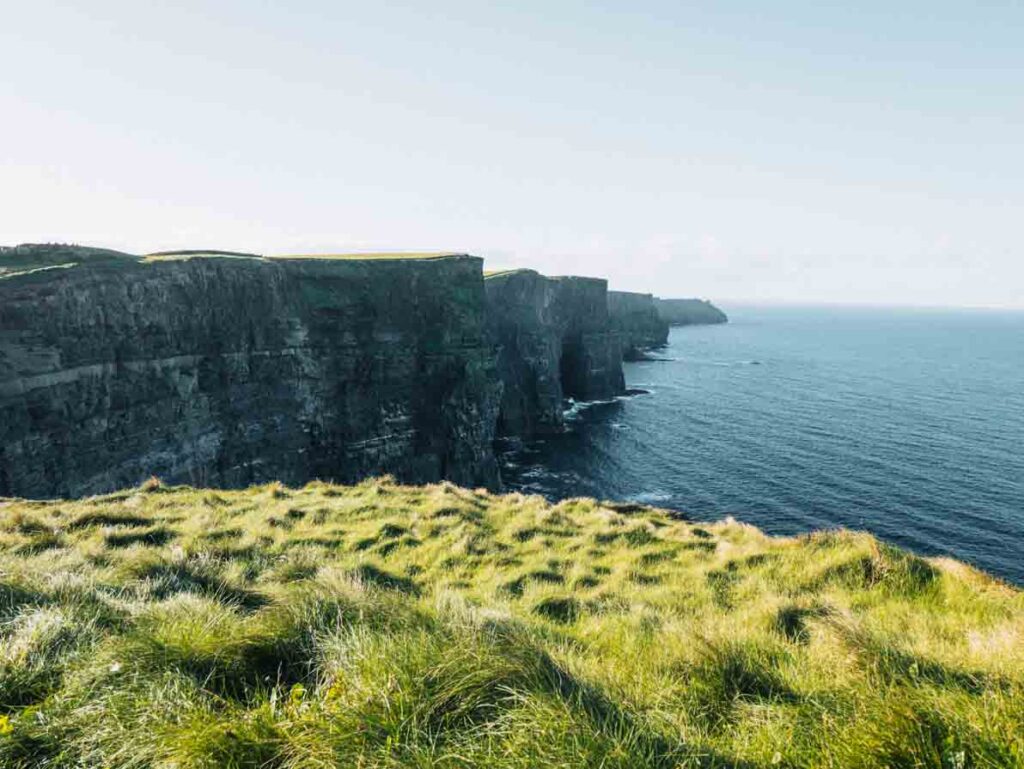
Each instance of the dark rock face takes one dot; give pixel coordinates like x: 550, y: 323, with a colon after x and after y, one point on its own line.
x: 689, y: 312
x: 637, y: 320
x: 231, y: 371
x: 521, y: 324
x: 554, y: 341
x: 591, y: 349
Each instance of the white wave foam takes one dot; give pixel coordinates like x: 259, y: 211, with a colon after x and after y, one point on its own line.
x: 575, y: 407
x: 651, y: 497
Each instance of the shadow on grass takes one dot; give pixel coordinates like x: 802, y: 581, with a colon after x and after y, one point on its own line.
x: 168, y: 579
x: 156, y: 537
x: 373, y: 575
x: 107, y: 518
x: 791, y: 621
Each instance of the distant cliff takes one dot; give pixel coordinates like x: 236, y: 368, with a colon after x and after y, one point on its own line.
x: 554, y: 341
x: 689, y: 312
x: 228, y: 371
x: 636, y: 319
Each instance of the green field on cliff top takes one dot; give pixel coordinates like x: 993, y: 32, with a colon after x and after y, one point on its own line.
x: 386, y: 626
x: 28, y: 258
x: 369, y: 256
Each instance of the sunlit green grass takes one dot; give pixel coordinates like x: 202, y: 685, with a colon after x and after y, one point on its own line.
x: 25, y: 260
x: 504, y: 271
x: 390, y: 626
x: 163, y: 256
x: 30, y: 258
x: 373, y: 255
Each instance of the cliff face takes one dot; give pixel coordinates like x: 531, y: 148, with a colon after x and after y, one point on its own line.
x: 521, y: 324
x: 637, y: 320
x: 554, y: 341
x: 689, y: 312
x: 591, y: 361
x: 230, y: 371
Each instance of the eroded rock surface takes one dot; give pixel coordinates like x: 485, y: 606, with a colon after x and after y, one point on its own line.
x: 635, y: 317
x: 554, y: 341
x: 229, y: 371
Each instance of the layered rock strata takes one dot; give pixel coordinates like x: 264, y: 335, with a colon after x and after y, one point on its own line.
x: 554, y: 341
x: 636, y: 319
x: 227, y: 371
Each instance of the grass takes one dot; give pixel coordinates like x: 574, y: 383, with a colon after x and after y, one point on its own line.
x: 30, y: 258
x: 506, y: 271
x: 384, y: 626
x: 210, y: 253
x: 375, y: 255
x: 158, y: 256
x: 27, y: 259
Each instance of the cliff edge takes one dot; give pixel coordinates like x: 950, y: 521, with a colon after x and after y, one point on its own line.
x: 227, y: 370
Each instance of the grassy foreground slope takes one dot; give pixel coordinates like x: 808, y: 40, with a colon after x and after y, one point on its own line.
x: 386, y: 626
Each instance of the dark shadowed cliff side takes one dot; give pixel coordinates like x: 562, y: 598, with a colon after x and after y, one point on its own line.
x: 227, y: 371
x: 689, y: 312
x: 636, y: 319
x: 591, y: 361
x: 554, y: 341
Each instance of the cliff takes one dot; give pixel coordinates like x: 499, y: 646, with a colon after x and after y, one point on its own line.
x: 554, y: 341
x: 689, y: 312
x: 591, y: 362
x: 636, y: 319
x: 227, y: 371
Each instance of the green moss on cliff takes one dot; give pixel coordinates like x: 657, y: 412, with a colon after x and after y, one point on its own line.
x: 488, y: 274
x: 375, y: 255
x: 213, y: 254
x: 381, y: 625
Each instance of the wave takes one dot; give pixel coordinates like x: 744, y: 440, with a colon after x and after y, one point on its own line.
x: 575, y: 406
x: 651, y: 497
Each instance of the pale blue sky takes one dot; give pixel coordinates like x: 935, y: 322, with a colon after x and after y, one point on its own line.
x: 789, y: 151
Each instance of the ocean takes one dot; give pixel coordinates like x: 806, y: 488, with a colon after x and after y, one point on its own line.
x: 908, y: 423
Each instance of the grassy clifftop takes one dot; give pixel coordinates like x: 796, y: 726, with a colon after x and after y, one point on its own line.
x: 368, y: 256
x: 31, y: 257
x: 381, y: 625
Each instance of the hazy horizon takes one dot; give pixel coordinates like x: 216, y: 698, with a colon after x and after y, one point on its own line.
x: 798, y: 154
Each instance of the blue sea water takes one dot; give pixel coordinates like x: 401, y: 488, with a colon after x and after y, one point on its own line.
x: 908, y: 423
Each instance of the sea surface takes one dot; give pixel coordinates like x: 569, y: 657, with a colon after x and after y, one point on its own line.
x: 908, y: 423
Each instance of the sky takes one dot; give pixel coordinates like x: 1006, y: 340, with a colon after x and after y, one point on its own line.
x: 792, y: 151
